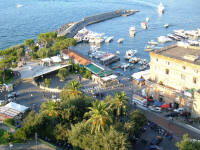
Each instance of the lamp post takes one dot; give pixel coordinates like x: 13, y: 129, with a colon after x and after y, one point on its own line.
x: 10, y: 145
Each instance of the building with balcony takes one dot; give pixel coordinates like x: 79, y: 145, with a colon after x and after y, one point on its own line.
x: 175, y: 77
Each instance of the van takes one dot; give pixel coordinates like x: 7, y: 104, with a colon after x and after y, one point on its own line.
x: 139, y: 100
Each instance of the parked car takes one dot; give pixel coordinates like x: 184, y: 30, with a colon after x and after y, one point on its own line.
x: 156, y: 141
x: 172, y: 114
x: 156, y: 109
x: 10, y: 96
x: 179, y: 110
x: 155, y: 147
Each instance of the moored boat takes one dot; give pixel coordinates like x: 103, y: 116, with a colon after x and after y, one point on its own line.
x: 109, y: 39
x: 144, y: 25
x: 130, y: 53
x: 152, y: 42
x: 132, y: 31
x: 120, y: 40
x: 161, y: 8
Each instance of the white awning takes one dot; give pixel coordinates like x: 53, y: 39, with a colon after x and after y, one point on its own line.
x: 111, y: 77
x: 56, y: 59
x: 145, y: 74
x: 46, y: 59
x: 65, y: 57
x: 17, y: 107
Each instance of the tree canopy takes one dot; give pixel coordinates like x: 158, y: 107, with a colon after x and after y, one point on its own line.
x: 188, y: 144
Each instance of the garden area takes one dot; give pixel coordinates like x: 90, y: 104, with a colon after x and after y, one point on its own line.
x: 59, y: 78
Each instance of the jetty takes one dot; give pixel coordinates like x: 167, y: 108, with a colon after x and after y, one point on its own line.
x: 71, y: 29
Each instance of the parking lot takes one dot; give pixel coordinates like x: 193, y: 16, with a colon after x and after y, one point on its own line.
x: 152, y: 131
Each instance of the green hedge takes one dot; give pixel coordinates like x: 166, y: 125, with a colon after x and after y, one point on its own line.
x: 48, y: 144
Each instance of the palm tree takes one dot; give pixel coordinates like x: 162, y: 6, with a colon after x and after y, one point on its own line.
x: 50, y: 107
x: 74, y: 88
x: 98, y: 116
x: 119, y: 104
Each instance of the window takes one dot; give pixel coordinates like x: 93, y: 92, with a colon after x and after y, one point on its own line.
x: 168, y: 63
x: 182, y: 76
x: 194, y: 80
x: 184, y: 67
x: 166, y: 71
x: 196, y: 71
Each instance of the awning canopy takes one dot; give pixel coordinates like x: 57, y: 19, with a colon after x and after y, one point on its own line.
x: 17, y: 107
x: 157, y: 103
x: 56, y: 59
x: 11, y: 110
x: 111, y: 77
x: 46, y: 59
x: 144, y: 74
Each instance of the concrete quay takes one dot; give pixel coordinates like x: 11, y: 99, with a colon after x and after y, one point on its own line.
x: 71, y: 29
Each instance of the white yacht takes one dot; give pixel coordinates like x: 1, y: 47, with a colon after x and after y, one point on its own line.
x: 132, y: 31
x: 166, y: 25
x: 109, y: 39
x: 152, y: 42
x: 161, y: 8
x: 120, y: 40
x: 144, y: 25
x: 99, y: 40
x: 130, y: 53
x: 164, y: 39
x: 147, y: 19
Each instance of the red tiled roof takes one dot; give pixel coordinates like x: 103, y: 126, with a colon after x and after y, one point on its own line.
x: 77, y: 57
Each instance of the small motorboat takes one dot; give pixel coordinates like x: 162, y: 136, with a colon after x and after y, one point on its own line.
x: 166, y: 25
x: 161, y: 9
x: 125, y: 65
x: 120, y: 40
x: 144, y: 25
x: 149, y: 48
x: 134, y: 60
x: 118, y: 52
x: 109, y: 39
x: 132, y: 31
x: 130, y: 53
x: 164, y: 39
x: 152, y: 42
x: 115, y: 67
x: 147, y: 19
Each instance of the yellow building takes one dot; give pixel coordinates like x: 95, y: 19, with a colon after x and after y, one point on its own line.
x: 175, y: 76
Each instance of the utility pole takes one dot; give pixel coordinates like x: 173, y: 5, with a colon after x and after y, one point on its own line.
x: 36, y: 136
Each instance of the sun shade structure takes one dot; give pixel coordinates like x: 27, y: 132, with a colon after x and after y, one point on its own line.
x: 93, y: 68
x: 11, y: 110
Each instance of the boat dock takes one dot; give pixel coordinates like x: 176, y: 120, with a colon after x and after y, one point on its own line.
x: 71, y: 29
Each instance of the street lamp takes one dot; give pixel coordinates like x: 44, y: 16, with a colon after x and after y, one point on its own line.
x: 10, y: 145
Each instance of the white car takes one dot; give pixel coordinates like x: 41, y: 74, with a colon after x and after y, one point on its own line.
x: 156, y: 109
x: 179, y: 110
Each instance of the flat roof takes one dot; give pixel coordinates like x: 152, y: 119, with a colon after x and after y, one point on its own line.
x: 180, y: 53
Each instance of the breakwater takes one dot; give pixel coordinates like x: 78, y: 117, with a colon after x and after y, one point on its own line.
x: 71, y: 29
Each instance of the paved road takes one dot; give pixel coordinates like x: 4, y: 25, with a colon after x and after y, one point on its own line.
x: 31, y: 145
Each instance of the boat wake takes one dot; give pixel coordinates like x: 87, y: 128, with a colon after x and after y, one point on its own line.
x: 146, y: 3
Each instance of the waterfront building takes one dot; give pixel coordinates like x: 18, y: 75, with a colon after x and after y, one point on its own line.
x: 175, y: 77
